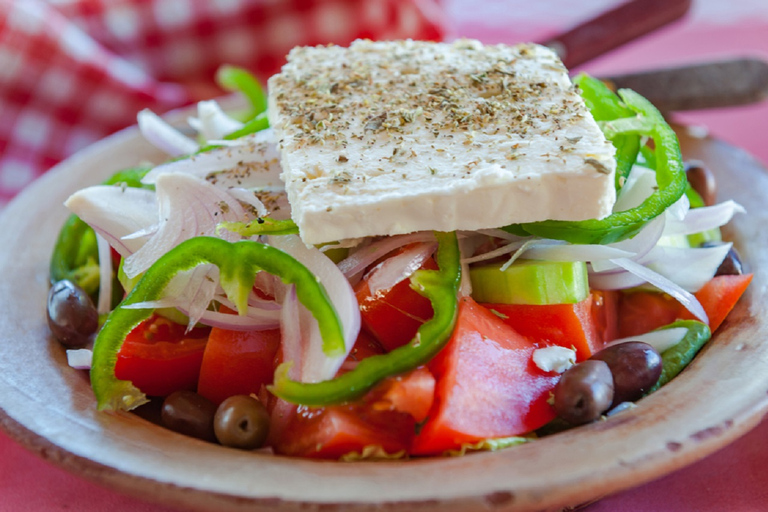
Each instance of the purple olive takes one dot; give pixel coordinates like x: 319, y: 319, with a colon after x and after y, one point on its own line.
x: 635, y: 366
x: 584, y: 392
x: 72, y: 317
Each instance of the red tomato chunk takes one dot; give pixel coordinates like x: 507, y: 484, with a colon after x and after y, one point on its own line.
x: 487, y: 385
x: 237, y: 363
x: 160, y: 357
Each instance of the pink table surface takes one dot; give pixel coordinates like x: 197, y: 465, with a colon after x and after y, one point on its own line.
x: 735, y: 478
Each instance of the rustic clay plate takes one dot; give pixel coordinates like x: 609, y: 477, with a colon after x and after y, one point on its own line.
x: 49, y: 407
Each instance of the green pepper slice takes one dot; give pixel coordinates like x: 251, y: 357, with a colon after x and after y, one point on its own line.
x: 261, y: 226
x: 238, y: 264
x: 235, y: 79
x: 675, y: 359
x: 604, y: 105
x: 441, y: 288
x: 670, y: 177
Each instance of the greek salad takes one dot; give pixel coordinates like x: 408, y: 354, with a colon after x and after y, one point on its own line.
x: 189, y: 285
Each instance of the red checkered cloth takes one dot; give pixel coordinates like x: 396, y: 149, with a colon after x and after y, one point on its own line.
x: 73, y: 71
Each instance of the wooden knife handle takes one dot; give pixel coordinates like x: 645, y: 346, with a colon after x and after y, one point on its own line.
x: 613, y: 28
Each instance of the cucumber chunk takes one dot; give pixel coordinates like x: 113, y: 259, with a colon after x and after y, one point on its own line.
x: 530, y: 282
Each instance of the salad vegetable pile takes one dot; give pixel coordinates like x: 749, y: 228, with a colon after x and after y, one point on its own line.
x: 186, y: 285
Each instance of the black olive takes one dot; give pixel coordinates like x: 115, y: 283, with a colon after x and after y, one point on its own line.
x: 584, y: 392
x: 190, y: 414
x: 702, y: 181
x: 72, y: 317
x: 242, y: 422
x: 731, y: 265
x: 635, y: 366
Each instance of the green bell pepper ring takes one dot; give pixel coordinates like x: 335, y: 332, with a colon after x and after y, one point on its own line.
x: 257, y: 124
x: 261, y: 226
x: 441, y: 288
x: 237, y: 79
x: 676, y: 358
x: 670, y: 177
x: 604, y: 105
x: 238, y: 263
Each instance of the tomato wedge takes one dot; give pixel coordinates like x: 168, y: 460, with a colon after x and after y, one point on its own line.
x: 487, y: 385
x: 383, y: 418
x: 394, y: 315
x: 567, y: 325
x: 160, y: 357
x: 641, y: 311
x: 719, y: 296
x: 237, y: 363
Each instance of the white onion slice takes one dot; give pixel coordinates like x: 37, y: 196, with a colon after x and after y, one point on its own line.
x: 318, y: 365
x: 114, y: 212
x: 689, y: 268
x: 255, y: 163
x: 704, y: 218
x: 105, y: 275
x: 397, y: 268
x: 640, y: 184
x: 661, y: 340
x: 164, y: 136
x: 249, y: 197
x: 641, y: 244
x: 188, y: 207
x: 495, y: 253
x: 211, y: 122
x: 684, y: 297
x: 366, y: 255
x: 575, y: 252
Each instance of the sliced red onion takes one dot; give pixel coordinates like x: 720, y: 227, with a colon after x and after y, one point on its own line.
x: 397, y: 268
x: 211, y: 122
x: 319, y: 366
x: 115, y: 212
x: 366, y: 255
x: 188, y: 207
x: 705, y: 218
x: 105, y: 275
x: 253, y: 163
x: 684, y: 297
x: 291, y: 335
x: 661, y: 340
x: 80, y: 359
x: 164, y: 136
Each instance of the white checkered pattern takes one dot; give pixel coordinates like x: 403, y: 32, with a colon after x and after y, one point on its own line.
x: 73, y: 71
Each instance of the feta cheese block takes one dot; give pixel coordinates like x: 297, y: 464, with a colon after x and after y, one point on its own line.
x: 385, y: 138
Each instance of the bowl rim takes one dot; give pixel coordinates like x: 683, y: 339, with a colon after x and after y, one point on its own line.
x: 667, y: 431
